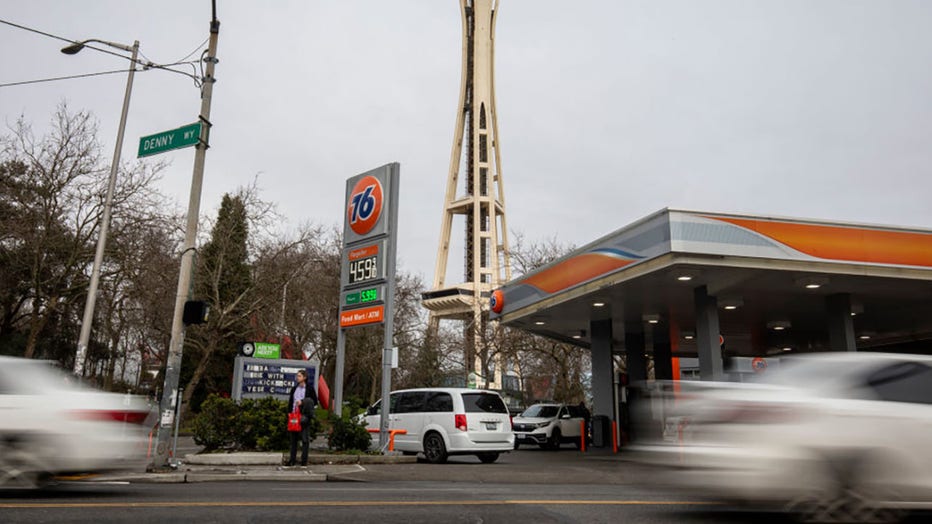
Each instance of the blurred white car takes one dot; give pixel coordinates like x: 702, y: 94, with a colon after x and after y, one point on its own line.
x: 831, y: 437
x: 51, y: 426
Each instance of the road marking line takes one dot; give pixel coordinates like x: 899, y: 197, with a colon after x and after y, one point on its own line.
x: 338, y: 503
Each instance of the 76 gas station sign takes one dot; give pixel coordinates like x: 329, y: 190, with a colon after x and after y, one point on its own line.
x: 367, y: 269
x: 368, y: 261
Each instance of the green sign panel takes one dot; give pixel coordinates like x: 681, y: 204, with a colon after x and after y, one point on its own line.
x: 267, y: 350
x: 184, y: 136
x: 361, y: 297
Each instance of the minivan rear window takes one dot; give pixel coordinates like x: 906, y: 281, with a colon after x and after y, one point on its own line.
x: 439, y: 402
x: 483, y: 403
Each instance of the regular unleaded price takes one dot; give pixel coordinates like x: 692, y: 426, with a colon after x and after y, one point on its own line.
x: 363, y: 269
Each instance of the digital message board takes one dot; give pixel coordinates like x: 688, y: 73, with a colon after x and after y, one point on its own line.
x: 265, y: 377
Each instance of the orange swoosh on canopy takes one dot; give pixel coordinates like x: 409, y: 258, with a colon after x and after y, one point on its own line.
x: 845, y: 243
x: 575, y: 270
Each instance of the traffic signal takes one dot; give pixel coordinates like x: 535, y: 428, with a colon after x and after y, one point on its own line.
x: 195, y: 312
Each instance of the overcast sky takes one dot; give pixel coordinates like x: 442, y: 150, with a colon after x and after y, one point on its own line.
x: 608, y: 110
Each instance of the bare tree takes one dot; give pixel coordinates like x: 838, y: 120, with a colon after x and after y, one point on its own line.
x: 548, y: 369
x: 52, y: 189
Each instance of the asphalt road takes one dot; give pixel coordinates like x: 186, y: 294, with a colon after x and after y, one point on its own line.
x: 408, y: 502
x: 524, y: 487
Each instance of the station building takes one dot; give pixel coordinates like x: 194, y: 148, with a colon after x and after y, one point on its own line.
x: 725, y: 293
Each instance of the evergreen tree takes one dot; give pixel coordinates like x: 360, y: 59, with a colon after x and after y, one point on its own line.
x: 224, y: 280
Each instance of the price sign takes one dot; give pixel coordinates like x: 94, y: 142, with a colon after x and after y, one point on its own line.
x: 368, y: 295
x: 363, y: 297
x: 364, y: 269
x: 364, y: 264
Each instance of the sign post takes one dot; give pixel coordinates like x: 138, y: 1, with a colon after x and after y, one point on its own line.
x: 176, y: 344
x: 367, y: 271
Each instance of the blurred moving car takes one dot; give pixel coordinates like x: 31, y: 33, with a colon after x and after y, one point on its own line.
x: 52, y: 426
x: 549, y: 425
x: 831, y: 437
x: 440, y: 422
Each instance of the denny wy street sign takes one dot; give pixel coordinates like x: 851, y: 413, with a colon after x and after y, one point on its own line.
x: 184, y: 136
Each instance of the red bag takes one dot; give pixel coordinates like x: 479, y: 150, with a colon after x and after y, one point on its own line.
x: 294, y: 421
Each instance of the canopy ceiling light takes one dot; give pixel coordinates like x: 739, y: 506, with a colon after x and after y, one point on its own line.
x: 686, y: 275
x: 779, y: 325
x: 731, y: 303
x: 812, y: 282
x: 651, y: 318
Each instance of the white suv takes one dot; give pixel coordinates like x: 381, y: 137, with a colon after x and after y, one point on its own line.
x: 549, y: 425
x: 440, y: 422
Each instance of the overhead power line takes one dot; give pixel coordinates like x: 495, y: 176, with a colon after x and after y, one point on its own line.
x: 39, y: 81
x: 147, y: 65
x: 86, y: 75
x: 63, y: 39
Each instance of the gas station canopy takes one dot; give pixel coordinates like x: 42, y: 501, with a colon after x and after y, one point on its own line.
x: 774, y: 281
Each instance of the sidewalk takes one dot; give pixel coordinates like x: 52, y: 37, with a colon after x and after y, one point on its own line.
x: 568, y: 466
x: 253, y: 466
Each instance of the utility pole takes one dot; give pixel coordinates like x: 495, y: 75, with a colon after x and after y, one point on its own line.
x: 176, y: 346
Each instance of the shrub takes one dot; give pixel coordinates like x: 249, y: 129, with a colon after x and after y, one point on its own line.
x: 252, y: 424
x: 215, y: 426
x: 262, y: 425
x: 346, y: 434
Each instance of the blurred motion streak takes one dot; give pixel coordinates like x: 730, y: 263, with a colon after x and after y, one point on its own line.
x: 52, y: 427
x: 831, y: 437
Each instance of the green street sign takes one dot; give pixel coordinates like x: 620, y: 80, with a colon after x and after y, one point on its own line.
x: 184, y: 136
x: 267, y: 350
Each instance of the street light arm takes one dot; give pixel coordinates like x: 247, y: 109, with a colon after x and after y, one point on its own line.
x: 78, y: 46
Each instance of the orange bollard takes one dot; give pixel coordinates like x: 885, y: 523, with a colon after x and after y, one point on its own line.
x: 391, y: 436
x: 582, y: 436
x: 614, y: 437
x: 149, y: 451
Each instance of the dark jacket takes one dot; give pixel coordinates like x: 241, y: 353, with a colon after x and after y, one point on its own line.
x: 307, y: 404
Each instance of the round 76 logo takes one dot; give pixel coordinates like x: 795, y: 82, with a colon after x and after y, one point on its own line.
x: 365, y: 205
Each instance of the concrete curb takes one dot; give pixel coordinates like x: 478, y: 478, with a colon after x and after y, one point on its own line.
x: 235, y: 459
x: 281, y: 476
x: 217, y: 476
x: 252, y: 466
x: 277, y: 459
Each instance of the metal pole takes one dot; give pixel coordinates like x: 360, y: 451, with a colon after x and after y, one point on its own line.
x: 389, y: 334
x: 177, y: 424
x: 81, y: 355
x: 173, y: 365
x: 338, y: 373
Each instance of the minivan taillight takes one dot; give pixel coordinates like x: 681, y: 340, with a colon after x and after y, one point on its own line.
x: 460, y: 422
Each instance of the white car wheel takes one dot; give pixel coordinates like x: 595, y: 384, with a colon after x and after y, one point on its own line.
x: 21, y: 462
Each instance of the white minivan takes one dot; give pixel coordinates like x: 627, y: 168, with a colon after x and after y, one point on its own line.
x: 440, y: 422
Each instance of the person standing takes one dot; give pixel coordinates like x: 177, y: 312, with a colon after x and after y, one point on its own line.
x: 303, y: 398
